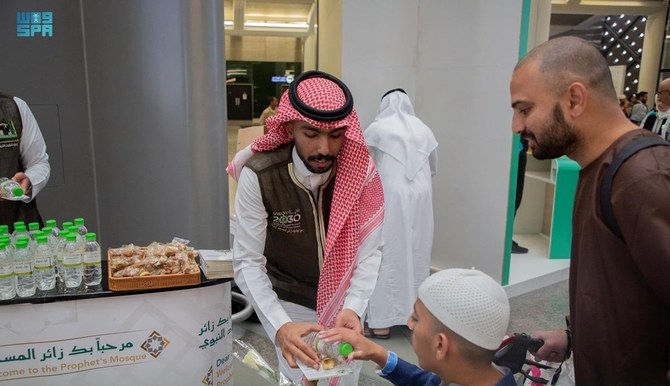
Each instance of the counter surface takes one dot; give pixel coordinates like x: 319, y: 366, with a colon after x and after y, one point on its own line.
x: 99, y: 291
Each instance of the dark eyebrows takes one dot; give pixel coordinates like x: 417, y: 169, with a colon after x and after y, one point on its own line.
x: 520, y: 102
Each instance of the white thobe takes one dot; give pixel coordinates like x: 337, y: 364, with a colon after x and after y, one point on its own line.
x: 249, y: 261
x: 405, y: 151
x: 34, y: 158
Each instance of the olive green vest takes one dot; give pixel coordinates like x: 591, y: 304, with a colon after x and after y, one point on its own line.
x: 297, y: 224
x: 11, y: 127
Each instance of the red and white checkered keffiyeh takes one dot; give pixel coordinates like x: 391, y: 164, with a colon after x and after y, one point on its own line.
x: 358, y: 202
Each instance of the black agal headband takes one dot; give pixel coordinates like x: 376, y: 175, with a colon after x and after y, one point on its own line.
x: 316, y: 114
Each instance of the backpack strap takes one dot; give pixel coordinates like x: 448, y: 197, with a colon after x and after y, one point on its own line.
x: 620, y: 157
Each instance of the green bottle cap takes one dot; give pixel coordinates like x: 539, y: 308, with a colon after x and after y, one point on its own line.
x: 4, y: 238
x: 3, y: 245
x: 47, y: 229
x: 20, y: 227
x: 4, y: 229
x: 17, y: 192
x: 78, y: 221
x: 51, y: 223
x: 21, y: 244
x: 19, y: 223
x: 41, y: 239
x: 37, y: 233
x: 73, y: 229
x: 90, y: 236
x: 346, y: 349
x: 22, y: 238
x: 33, y: 226
x: 67, y: 224
x: 63, y: 233
x: 71, y: 237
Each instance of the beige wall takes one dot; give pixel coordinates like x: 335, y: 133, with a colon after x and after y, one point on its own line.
x: 330, y: 37
x: 264, y: 48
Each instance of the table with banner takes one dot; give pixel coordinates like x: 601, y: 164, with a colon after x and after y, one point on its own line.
x: 176, y: 336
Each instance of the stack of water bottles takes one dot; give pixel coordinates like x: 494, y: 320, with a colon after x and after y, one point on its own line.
x: 50, y: 260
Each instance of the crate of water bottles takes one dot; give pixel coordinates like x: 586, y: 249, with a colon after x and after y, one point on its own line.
x: 49, y: 260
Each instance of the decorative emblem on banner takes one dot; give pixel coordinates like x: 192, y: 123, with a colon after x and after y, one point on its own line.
x: 155, y: 344
x: 209, y: 378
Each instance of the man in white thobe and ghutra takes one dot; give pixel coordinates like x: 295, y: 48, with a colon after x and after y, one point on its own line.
x: 405, y: 151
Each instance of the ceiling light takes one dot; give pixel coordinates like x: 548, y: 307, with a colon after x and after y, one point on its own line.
x: 263, y: 24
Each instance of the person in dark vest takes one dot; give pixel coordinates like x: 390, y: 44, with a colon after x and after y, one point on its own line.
x: 309, y: 207
x: 564, y: 103
x: 23, y: 158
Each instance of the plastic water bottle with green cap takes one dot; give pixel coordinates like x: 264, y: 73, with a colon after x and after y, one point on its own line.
x: 23, y: 269
x: 7, y: 277
x: 51, y: 223
x: 92, y: 264
x: 60, y: 246
x: 75, y: 231
x: 81, y: 228
x: 19, y: 229
x: 334, y: 350
x: 10, y: 189
x: 72, y: 262
x: 43, y: 266
x: 66, y: 225
x: 32, y: 228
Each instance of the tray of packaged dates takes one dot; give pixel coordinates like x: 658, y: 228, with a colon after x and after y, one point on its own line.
x: 158, y: 265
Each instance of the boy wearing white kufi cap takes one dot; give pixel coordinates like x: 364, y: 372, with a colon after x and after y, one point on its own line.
x: 460, y: 318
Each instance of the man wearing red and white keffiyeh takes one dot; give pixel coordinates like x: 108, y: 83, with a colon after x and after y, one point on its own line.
x: 309, y: 208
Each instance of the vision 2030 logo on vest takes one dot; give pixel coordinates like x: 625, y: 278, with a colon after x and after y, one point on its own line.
x: 31, y: 24
x: 287, y: 221
x: 8, y: 136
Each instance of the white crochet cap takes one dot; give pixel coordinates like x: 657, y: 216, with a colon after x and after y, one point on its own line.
x: 469, y: 303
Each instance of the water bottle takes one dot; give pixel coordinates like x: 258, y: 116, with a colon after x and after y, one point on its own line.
x: 23, y: 269
x: 53, y: 225
x: 332, y: 350
x: 32, y: 228
x: 75, y: 231
x: 19, y: 229
x: 10, y: 188
x: 66, y: 225
x: 43, y: 266
x: 92, y: 265
x: 81, y: 228
x: 60, y: 245
x: 7, y: 240
x: 72, y: 264
x: 24, y: 237
x: 7, y: 278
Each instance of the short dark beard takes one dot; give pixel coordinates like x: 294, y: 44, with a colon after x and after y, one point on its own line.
x: 558, y: 137
x: 317, y: 157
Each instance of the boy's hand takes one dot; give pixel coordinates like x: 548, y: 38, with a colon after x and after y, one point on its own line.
x: 364, y: 349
